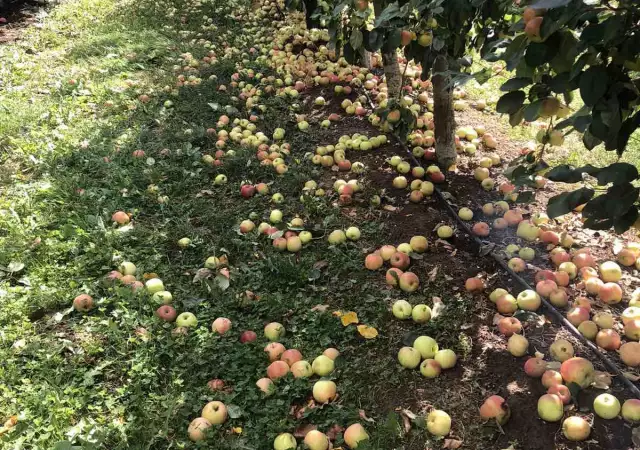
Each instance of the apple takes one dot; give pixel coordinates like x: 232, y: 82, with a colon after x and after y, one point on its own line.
x: 488, y: 209
x: 629, y: 314
x: 301, y: 369
x: 400, y: 260
x: 576, y: 428
x: 528, y: 300
x: 127, y: 268
x: 409, y: 357
x: 496, y: 294
x: 401, y: 309
x: 337, y: 237
x: 354, y: 434
x: 332, y: 353
x: 535, y: 367
x: 184, y: 242
x: 167, y: 313
x: 274, y: 350
x: 517, y: 265
x: 274, y: 331
x: 409, y: 282
x: 419, y: 244
x: 569, y: 268
x: 446, y: 358
x: 400, y: 182
x: 162, y: 297
x: 247, y: 226
x: 507, y: 304
x: 577, y: 370
x: 577, y: 315
x: 215, y: 412
x: 604, y: 319
x: 444, y: 232
x: 550, y: 408
x: 353, y: 233
x: 324, y: 391
x: 285, y: 441
x: 518, y: 345
x: 630, y: 354
x: 551, y: 378
x: 248, y: 336
x: 438, y: 423
x: 465, y: 214
x: 387, y: 251
x: 588, y: 329
x: 392, y: 276
x: 631, y: 410
x: 495, y: 407
x: 212, y: 262
x: 187, y: 320
x: 561, y: 391
x: 509, y: 326
x: 322, y: 365
x: 291, y: 356
x: 481, y: 229
x: 610, y: 272
x: 584, y: 260
x: 315, y: 440
x: 266, y: 386
x: 197, y: 430
x: 526, y: 230
x: 83, y: 303
x: 247, y: 190
x: 610, y: 293
x: 606, y: 406
x: 593, y: 285
x: 277, y: 369
x: 430, y: 368
x: 421, y: 313
x: 608, y: 339
x: 427, y: 346
x: 546, y: 287
x: 221, y: 325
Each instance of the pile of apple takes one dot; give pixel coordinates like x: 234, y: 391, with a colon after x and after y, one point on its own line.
x: 330, y: 155
x: 399, y: 258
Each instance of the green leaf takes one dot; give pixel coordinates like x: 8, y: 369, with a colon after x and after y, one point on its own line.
x: 525, y: 197
x: 550, y: 4
x: 624, y: 222
x: 566, y: 202
x: 516, y: 118
x: 539, y: 53
x: 515, y: 84
x: 593, y: 84
x: 569, y: 174
x: 374, y: 40
x: 390, y: 12
x: 15, y: 266
x: 590, y: 141
x: 234, y: 411
x: 392, y: 41
x: 510, y: 103
x: 532, y: 111
x: 617, y: 173
x: 356, y: 39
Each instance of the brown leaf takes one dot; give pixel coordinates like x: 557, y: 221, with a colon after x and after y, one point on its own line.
x: 302, y: 430
x: 631, y: 376
x: 635, y: 437
x: 602, y: 380
x: 348, y: 318
x: 321, y: 264
x: 438, y: 307
x: 497, y: 318
x: 201, y: 274
x: 334, y: 431
x: 433, y: 274
x: 363, y: 416
x: 452, y: 443
x: 203, y: 193
x: 407, y: 416
x: 389, y: 208
x: 320, y: 308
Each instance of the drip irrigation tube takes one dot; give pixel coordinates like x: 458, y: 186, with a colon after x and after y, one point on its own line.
x: 549, y: 307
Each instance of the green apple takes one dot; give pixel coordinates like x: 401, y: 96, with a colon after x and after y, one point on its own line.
x: 402, y: 309
x: 277, y: 198
x: 212, y: 262
x: 446, y: 358
x: 427, y: 346
x: 353, y: 233
x: 274, y: 331
x: 285, y: 441
x: 606, y: 406
x: 337, y: 237
x: 305, y: 236
x: 550, y: 408
x: 162, y: 297
x: 187, y: 320
x: 421, y: 313
x: 409, y: 357
x: 127, y: 268
x: 184, y: 242
x: 220, y: 180
x: 275, y: 216
x: 438, y: 423
x: 322, y: 365
x: 154, y: 285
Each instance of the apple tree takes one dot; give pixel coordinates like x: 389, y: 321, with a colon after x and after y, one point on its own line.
x: 435, y: 34
x: 560, y: 48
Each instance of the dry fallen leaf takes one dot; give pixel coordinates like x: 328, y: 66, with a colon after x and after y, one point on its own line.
x: 148, y: 276
x: 334, y: 431
x: 438, y: 307
x: 433, y: 274
x: 237, y: 430
x: 363, y: 416
x: 631, y: 376
x: 407, y: 416
x: 349, y: 318
x: 389, y: 208
x: 497, y: 318
x: 320, y: 308
x: 602, y: 380
x: 302, y: 430
x: 367, y: 332
x: 337, y: 313
x: 452, y: 443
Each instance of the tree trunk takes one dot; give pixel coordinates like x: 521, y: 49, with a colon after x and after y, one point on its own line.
x: 443, y: 116
x: 365, y: 58
x: 389, y: 60
x: 310, y: 7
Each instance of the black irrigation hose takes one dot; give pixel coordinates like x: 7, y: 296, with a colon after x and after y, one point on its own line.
x: 554, y: 312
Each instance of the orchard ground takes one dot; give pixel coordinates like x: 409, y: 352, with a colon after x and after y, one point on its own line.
x: 80, y: 93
